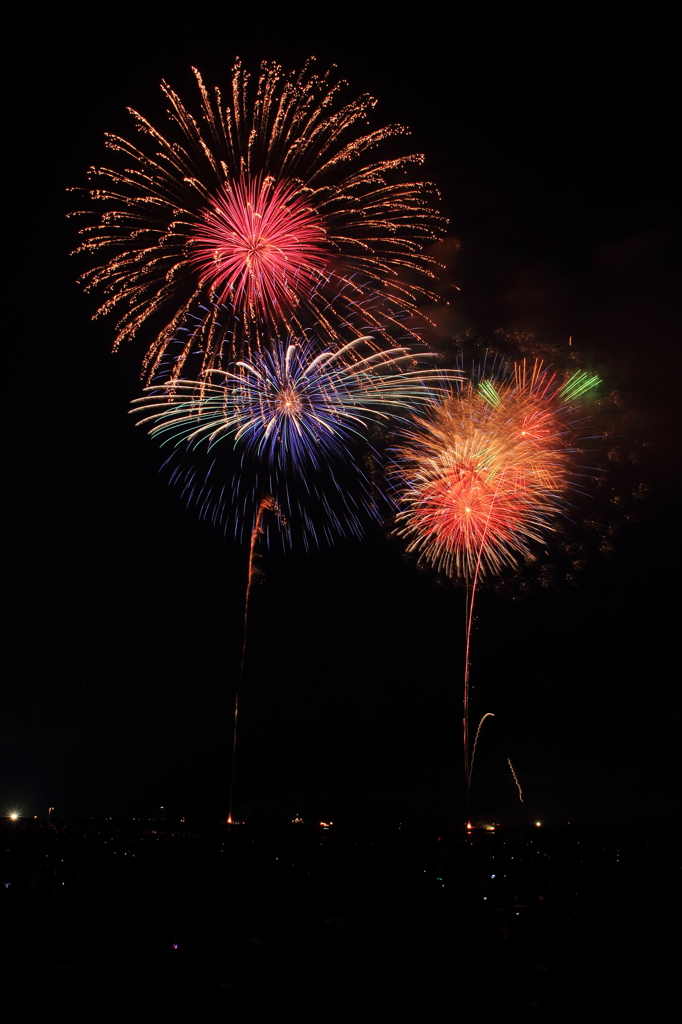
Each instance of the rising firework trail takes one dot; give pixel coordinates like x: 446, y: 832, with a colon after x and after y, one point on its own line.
x: 518, y: 784
x: 488, y: 714
x: 271, y: 196
x: 481, y: 479
x: 265, y: 504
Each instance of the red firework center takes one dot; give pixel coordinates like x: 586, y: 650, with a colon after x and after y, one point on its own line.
x: 464, y: 510
x: 260, y: 243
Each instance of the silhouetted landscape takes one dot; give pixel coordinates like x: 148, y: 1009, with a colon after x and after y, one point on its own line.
x: 306, y: 921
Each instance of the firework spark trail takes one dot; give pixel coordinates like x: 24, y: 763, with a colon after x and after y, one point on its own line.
x: 265, y: 504
x: 469, y: 764
x: 488, y: 714
x: 471, y: 595
x: 295, y: 419
x: 269, y: 196
x: 516, y: 780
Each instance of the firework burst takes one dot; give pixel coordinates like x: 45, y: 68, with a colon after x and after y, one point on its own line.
x: 270, y: 199
x: 294, y: 422
x: 483, y: 477
x: 259, y: 245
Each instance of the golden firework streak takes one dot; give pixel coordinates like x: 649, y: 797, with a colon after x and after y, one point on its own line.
x: 516, y: 780
x: 488, y: 714
x: 469, y: 764
x: 264, y: 504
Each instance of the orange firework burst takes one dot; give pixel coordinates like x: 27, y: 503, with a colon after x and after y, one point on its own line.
x: 267, y: 201
x: 485, y: 474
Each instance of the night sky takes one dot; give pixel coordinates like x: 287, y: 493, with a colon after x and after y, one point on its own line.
x: 552, y: 143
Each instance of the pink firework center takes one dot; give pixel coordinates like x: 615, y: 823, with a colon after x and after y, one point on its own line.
x: 260, y: 243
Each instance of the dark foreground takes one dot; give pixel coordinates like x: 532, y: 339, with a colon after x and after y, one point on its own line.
x: 311, y: 924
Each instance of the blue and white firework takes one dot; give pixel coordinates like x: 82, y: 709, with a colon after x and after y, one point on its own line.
x: 295, y: 421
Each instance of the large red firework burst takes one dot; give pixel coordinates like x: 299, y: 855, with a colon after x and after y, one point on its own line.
x: 266, y: 202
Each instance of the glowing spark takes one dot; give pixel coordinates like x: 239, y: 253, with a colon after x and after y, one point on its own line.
x: 487, y: 389
x: 516, y: 780
x: 579, y: 384
x: 489, y: 714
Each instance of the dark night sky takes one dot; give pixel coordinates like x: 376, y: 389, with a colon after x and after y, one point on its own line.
x: 553, y: 145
